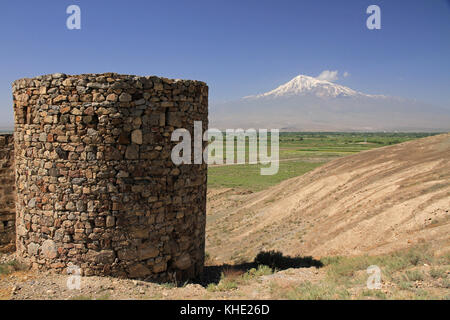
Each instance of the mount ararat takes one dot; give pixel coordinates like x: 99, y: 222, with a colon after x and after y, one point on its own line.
x: 309, y: 104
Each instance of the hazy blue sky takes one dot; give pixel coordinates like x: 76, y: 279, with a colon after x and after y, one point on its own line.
x: 238, y: 47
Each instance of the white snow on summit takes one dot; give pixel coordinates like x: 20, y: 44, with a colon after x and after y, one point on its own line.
x: 306, y: 85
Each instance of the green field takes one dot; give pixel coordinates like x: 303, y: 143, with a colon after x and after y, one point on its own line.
x: 301, y: 152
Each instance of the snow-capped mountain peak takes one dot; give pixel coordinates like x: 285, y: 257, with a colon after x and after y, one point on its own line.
x: 311, y: 104
x: 306, y: 85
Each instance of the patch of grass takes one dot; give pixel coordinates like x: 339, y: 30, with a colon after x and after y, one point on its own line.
x: 419, y: 254
x: 423, y: 295
x: 331, y: 260
x: 405, y: 285
x: 309, y: 149
x: 11, y: 266
x: 413, y: 275
x: 231, y: 277
x: 401, y: 268
x: 344, y: 269
x: 105, y: 296
x: 253, y: 273
x: 346, y: 277
x: 374, y: 293
x: 444, y: 259
x: 212, y: 287
x: 168, y: 285
x: 248, y: 176
x: 4, y: 269
x: 312, y: 291
x: 226, y: 283
x: 81, y: 297
x: 156, y: 296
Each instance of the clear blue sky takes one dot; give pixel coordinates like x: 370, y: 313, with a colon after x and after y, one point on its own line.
x: 238, y: 47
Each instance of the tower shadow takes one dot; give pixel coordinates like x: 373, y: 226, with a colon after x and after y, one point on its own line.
x: 273, y: 259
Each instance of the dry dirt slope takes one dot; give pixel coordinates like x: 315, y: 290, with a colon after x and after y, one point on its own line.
x: 372, y: 202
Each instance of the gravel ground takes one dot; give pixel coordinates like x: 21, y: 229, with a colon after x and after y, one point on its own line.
x: 28, y: 284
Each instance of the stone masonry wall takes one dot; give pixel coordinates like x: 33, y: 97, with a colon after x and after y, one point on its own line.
x: 7, y: 194
x: 95, y: 182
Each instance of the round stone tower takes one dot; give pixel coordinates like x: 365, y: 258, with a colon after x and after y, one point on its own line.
x: 96, y: 186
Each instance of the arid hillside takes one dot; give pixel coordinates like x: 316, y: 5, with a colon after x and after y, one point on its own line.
x: 372, y: 202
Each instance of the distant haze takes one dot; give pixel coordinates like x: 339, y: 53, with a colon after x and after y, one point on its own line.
x: 312, y: 104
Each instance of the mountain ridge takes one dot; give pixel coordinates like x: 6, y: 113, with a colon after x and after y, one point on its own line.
x: 309, y: 104
x: 303, y: 84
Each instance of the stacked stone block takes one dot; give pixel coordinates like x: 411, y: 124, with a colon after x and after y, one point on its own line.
x: 96, y: 186
x: 7, y: 194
